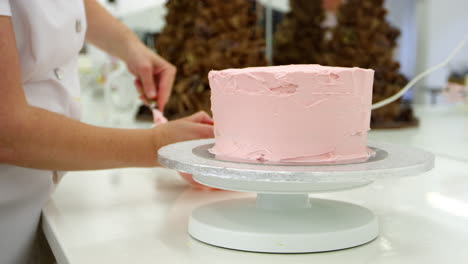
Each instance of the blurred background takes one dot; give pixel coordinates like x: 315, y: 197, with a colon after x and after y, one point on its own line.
x: 396, y: 38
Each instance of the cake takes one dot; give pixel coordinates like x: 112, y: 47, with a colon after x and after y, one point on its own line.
x: 293, y: 113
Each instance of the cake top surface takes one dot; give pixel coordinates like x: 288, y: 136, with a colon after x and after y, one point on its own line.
x: 306, y: 68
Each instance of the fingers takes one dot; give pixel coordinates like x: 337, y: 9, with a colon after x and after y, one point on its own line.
x: 196, y: 185
x: 145, y: 73
x: 206, y: 131
x: 165, y: 82
x: 200, y: 117
x: 139, y: 88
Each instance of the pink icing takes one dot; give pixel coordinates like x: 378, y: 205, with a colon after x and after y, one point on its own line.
x: 158, y: 117
x: 292, y: 113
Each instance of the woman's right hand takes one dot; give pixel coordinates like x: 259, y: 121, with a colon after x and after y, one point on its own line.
x: 196, y: 126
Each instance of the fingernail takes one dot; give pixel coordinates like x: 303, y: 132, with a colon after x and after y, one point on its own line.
x: 152, y: 94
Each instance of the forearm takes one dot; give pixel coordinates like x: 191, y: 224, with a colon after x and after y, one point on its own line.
x: 107, y: 33
x: 36, y: 138
x: 44, y: 140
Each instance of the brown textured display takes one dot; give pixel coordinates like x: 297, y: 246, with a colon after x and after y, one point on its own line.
x: 203, y: 35
x: 299, y: 38
x: 362, y: 38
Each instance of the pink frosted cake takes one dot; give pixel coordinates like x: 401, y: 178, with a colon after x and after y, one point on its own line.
x: 295, y: 113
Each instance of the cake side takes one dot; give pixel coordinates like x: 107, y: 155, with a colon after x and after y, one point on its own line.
x: 291, y: 113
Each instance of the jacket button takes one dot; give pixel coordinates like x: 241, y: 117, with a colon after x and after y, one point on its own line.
x: 58, y: 73
x: 78, y: 26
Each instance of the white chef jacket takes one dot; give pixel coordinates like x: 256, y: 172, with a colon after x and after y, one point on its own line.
x: 49, y: 35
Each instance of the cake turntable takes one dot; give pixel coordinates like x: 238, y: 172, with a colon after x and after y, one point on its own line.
x: 283, y: 219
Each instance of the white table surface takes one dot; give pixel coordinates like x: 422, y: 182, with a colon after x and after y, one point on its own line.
x: 442, y: 130
x: 140, y: 215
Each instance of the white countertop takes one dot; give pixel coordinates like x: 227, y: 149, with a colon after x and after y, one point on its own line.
x: 442, y: 130
x: 140, y: 215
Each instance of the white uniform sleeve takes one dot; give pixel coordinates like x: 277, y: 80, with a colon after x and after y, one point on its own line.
x: 5, y: 8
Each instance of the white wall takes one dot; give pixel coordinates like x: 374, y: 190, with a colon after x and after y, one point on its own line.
x: 444, y: 25
x: 126, y: 7
x: 402, y: 14
x: 150, y: 19
x: 147, y: 15
x: 282, y: 5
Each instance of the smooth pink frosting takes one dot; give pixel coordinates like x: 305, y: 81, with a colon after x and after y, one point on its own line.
x: 291, y: 113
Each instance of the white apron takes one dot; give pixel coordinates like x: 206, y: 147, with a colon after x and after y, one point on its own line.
x: 49, y: 35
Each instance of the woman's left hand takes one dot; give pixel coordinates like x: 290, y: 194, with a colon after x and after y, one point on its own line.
x: 154, y: 75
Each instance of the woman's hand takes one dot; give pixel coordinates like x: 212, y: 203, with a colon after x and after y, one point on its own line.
x: 154, y: 75
x: 196, y: 126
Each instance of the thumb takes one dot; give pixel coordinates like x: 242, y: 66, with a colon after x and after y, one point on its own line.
x: 205, y: 131
x: 200, y: 117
